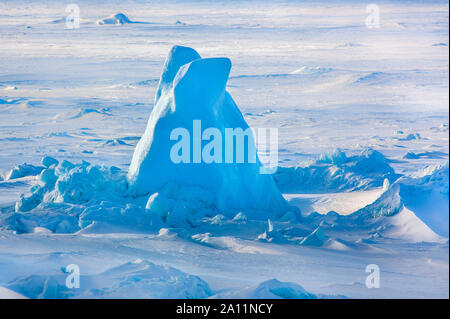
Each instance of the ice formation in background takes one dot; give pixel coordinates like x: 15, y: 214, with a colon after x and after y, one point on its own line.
x: 191, y: 89
x: 118, y: 18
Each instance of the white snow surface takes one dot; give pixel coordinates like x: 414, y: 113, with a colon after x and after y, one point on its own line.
x: 363, y: 131
x: 6, y: 293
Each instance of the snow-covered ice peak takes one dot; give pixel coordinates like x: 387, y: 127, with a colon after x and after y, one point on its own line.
x: 193, y: 89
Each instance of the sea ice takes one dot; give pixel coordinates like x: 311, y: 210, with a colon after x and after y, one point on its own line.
x: 193, y: 89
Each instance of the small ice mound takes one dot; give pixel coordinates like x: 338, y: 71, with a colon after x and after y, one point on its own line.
x: 192, y: 91
x: 411, y: 155
x: 48, y: 161
x: 64, y: 20
x: 23, y: 170
x: 76, y: 184
x: 6, y: 293
x: 441, y: 128
x: 143, y: 279
x: 334, y: 244
x: 11, y: 101
x: 427, y: 196
x: 59, y: 20
x: 41, y: 287
x: 72, y: 197
x: 115, y: 142
x: 167, y: 233
x: 271, y: 235
x: 316, y: 238
x: 270, y: 289
x: 336, y: 172
x: 406, y: 226
x: 337, y: 157
x: 239, y: 218
x: 410, y: 137
x: 219, y: 219
x: 374, y: 78
x: 118, y: 18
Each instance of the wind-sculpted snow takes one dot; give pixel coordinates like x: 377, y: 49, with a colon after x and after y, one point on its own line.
x: 77, y: 184
x: 274, y: 289
x: 427, y: 196
x: 316, y: 238
x: 335, y: 172
x: 136, y: 279
x: 23, y: 170
x: 270, y: 289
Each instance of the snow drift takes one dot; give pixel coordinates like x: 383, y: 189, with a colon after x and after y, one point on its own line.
x: 192, y: 88
x: 270, y: 289
x: 405, y: 225
x: 157, y: 191
x: 135, y: 279
x: 427, y: 196
x: 118, y: 18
